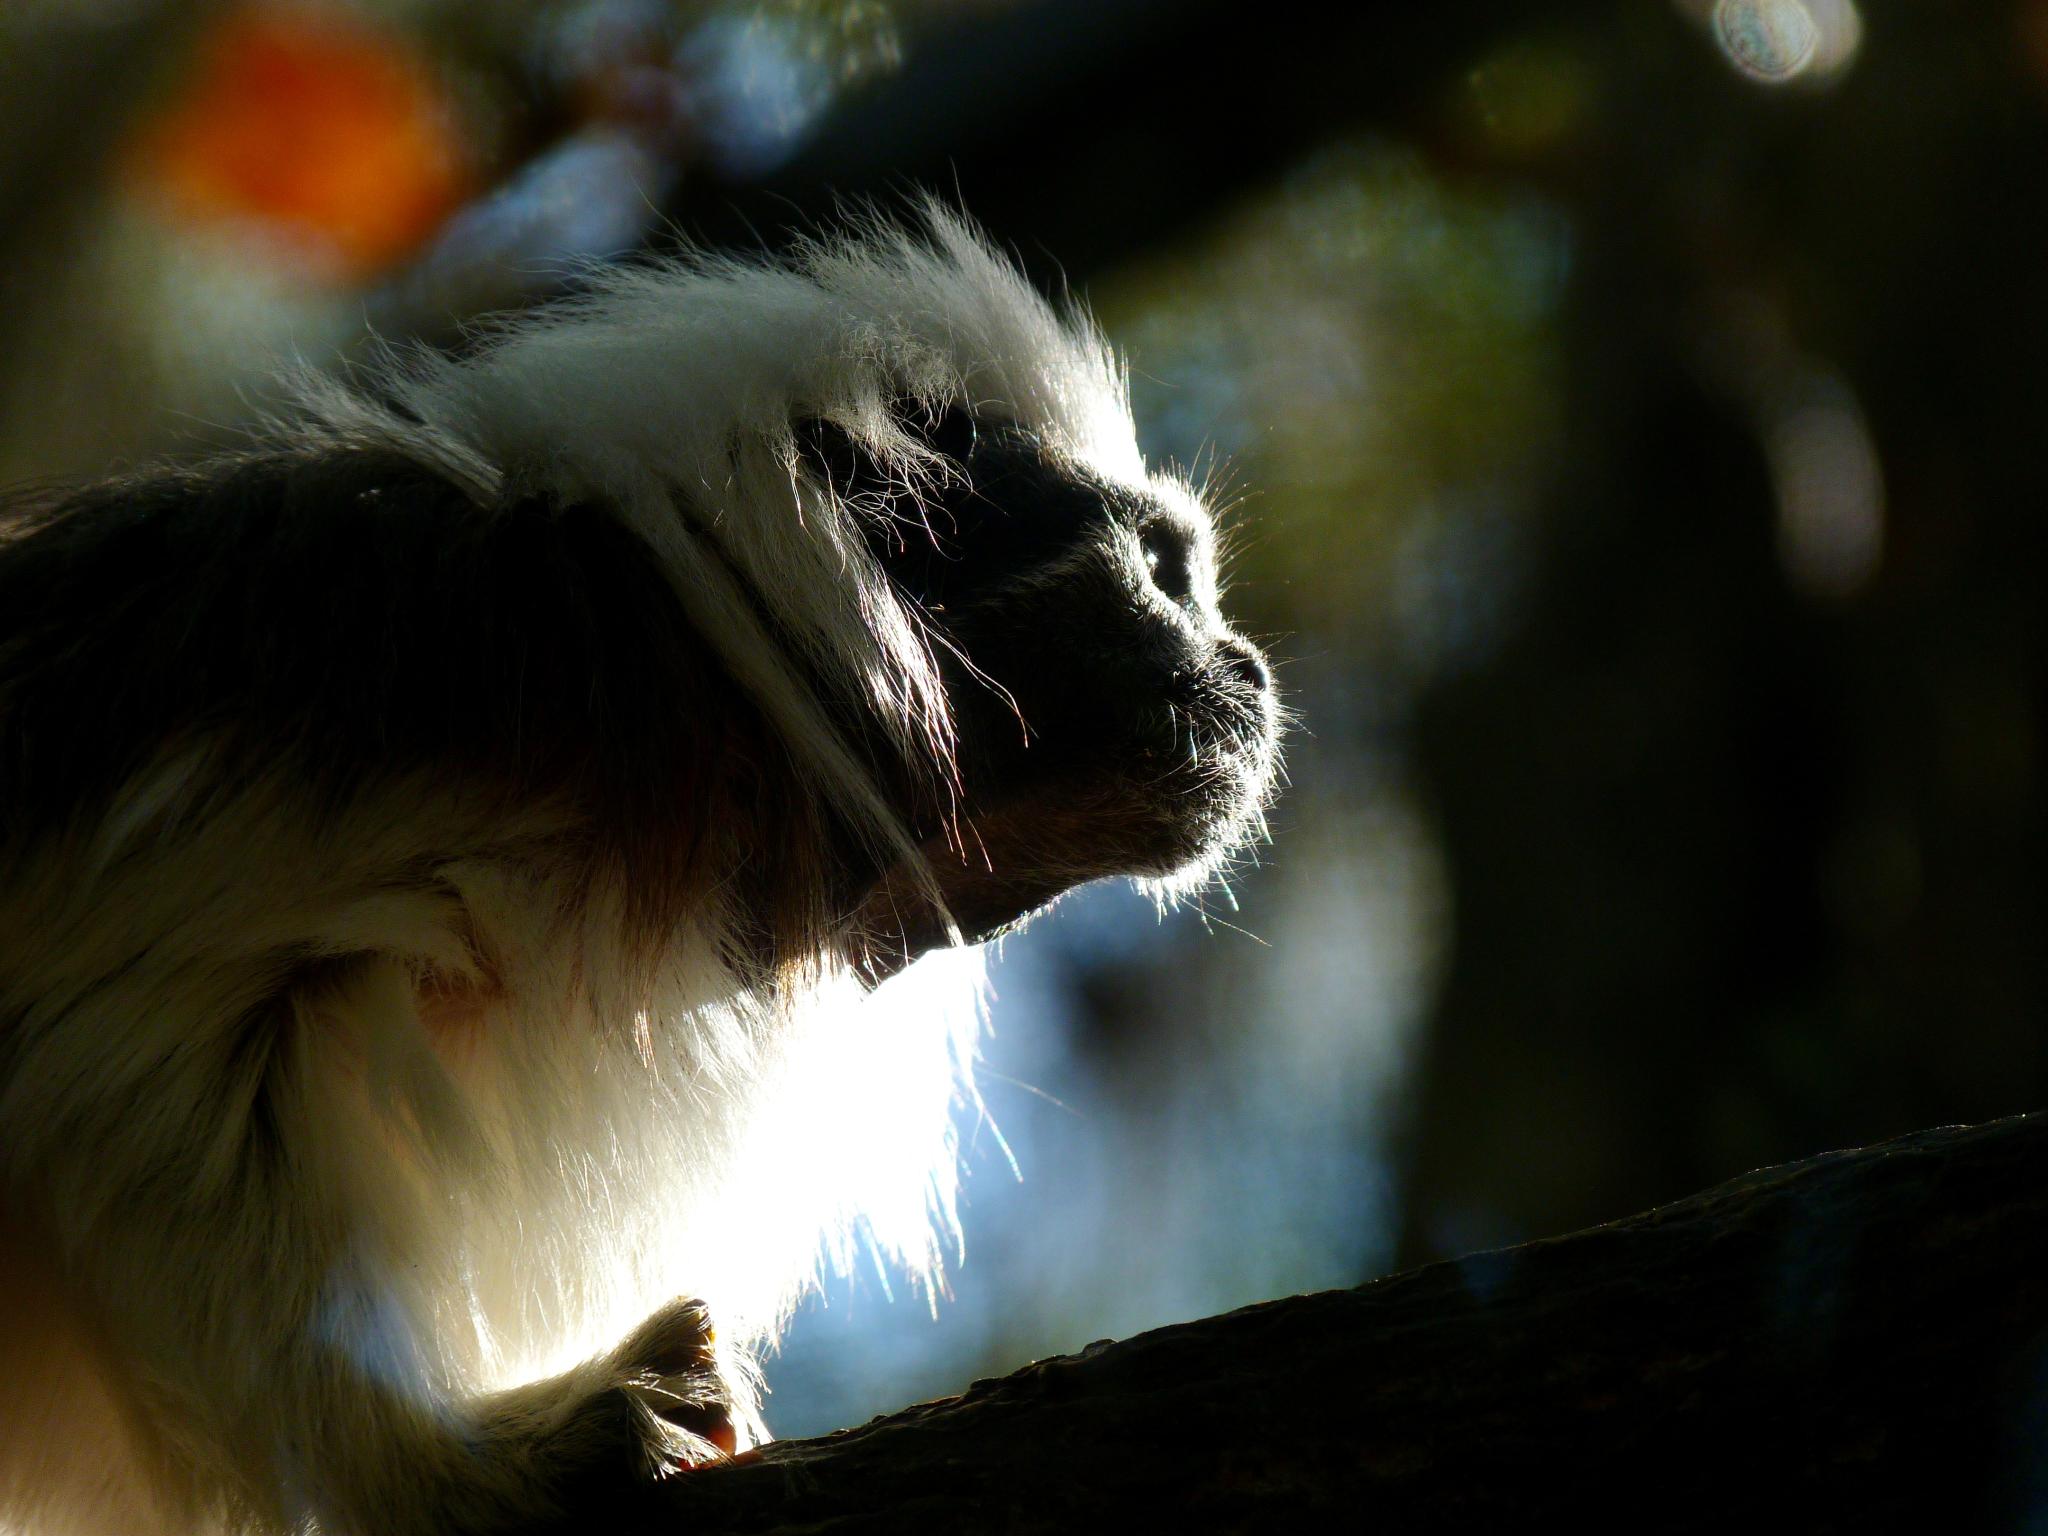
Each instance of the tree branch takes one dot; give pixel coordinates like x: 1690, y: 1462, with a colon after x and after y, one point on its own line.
x: 1851, y: 1343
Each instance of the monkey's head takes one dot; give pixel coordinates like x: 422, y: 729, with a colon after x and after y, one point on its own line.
x: 1108, y: 721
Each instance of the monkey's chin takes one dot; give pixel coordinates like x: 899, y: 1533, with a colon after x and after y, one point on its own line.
x: 1020, y: 862
x: 898, y: 923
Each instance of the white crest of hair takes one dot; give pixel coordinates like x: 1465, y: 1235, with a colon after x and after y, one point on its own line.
x: 674, y: 391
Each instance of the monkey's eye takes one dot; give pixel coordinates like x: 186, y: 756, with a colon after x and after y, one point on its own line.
x: 1170, y: 554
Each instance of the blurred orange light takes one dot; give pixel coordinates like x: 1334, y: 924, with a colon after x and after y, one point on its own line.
x: 315, y: 124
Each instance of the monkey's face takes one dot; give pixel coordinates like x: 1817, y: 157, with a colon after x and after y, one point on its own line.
x: 1110, y: 722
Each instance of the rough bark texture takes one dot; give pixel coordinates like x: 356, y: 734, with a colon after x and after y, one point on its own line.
x: 1852, y: 1343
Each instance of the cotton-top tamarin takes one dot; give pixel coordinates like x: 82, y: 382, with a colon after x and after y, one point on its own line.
x: 446, y: 850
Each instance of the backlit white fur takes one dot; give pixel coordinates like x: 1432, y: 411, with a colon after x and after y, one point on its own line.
x: 473, y: 1209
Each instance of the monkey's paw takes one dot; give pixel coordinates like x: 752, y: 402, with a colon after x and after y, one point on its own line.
x: 667, y: 1371
x: 593, y: 1445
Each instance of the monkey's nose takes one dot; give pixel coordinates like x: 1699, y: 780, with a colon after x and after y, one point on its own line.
x: 1243, y: 660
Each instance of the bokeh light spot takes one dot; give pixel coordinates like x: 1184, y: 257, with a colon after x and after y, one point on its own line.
x: 1769, y: 40
x: 325, y: 131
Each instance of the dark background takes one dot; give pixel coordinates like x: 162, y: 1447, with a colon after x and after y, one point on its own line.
x: 1629, y: 417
